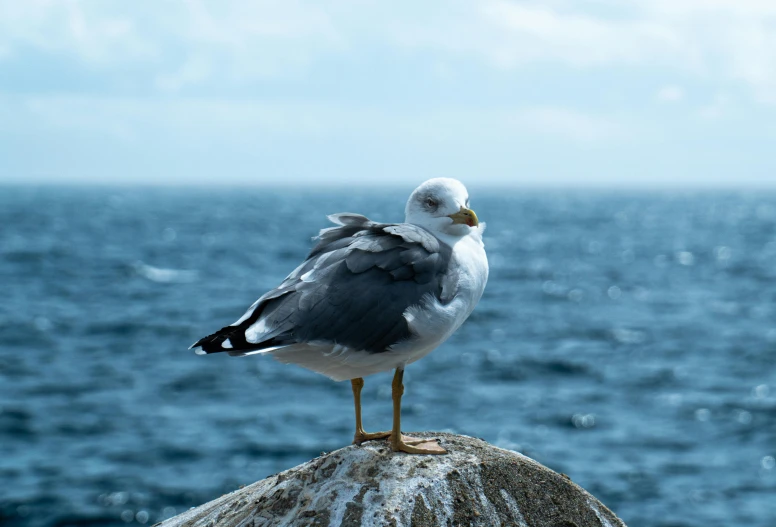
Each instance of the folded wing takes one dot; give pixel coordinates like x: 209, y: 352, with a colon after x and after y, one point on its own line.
x: 352, y: 290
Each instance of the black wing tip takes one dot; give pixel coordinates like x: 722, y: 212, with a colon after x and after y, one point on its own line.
x: 239, y: 346
x: 198, y: 349
x: 207, y: 345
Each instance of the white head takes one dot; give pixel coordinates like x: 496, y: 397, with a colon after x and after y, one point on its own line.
x: 441, y: 205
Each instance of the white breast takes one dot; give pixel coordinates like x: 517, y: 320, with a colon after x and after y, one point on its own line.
x: 472, y: 264
x: 434, y: 322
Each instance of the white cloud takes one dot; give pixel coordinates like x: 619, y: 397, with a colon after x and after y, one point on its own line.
x: 716, y: 41
x: 195, y: 69
x: 717, y: 109
x: 182, y: 40
x: 755, y: 8
x: 130, y: 119
x: 670, y: 94
x: 85, y: 31
x: 568, y: 124
x: 187, y: 139
x: 193, y: 41
x: 529, y: 33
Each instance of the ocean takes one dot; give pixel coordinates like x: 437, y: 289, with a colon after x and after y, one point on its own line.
x: 627, y: 339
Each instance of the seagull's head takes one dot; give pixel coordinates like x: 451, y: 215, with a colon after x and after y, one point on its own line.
x: 441, y: 205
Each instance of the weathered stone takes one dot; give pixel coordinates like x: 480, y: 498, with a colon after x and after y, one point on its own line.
x: 476, y: 484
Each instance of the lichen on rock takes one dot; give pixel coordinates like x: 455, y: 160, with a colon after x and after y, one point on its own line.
x: 475, y: 484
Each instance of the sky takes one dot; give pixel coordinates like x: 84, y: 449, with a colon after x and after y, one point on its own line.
x: 611, y: 93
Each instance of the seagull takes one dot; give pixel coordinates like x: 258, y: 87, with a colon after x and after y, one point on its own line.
x: 372, y: 297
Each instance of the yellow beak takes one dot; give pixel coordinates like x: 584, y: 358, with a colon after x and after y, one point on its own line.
x: 465, y: 216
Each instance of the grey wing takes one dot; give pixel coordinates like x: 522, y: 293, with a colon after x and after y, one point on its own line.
x: 352, y: 290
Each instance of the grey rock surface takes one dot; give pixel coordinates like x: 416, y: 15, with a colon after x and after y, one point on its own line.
x: 475, y: 484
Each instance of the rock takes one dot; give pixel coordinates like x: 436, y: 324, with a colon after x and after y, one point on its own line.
x: 475, y: 484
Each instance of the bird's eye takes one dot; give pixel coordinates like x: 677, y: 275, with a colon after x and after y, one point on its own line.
x: 431, y: 203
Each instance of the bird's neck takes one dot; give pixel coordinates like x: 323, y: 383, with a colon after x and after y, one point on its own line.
x: 474, y: 238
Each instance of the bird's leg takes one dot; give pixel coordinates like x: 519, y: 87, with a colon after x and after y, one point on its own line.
x: 400, y: 443
x: 360, y: 435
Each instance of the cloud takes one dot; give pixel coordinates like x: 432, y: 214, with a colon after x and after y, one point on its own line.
x: 569, y: 124
x: 715, y: 41
x: 717, y: 109
x: 87, y: 32
x: 130, y: 118
x: 193, y: 42
x: 181, y: 42
x: 529, y: 33
x: 200, y: 139
x: 195, y: 69
x: 670, y: 94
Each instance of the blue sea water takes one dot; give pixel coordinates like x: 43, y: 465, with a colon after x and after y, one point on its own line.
x: 625, y: 339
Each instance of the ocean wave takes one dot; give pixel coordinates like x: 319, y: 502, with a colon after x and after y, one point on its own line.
x: 164, y: 276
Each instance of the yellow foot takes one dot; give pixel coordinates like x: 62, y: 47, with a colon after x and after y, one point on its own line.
x: 418, y: 446
x: 407, y: 440
x: 360, y: 437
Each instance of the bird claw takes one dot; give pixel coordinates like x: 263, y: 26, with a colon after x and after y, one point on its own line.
x: 407, y: 440
x: 361, y: 437
x: 424, y: 446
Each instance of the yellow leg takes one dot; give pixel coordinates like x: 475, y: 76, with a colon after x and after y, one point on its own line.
x: 360, y: 435
x: 399, y: 443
